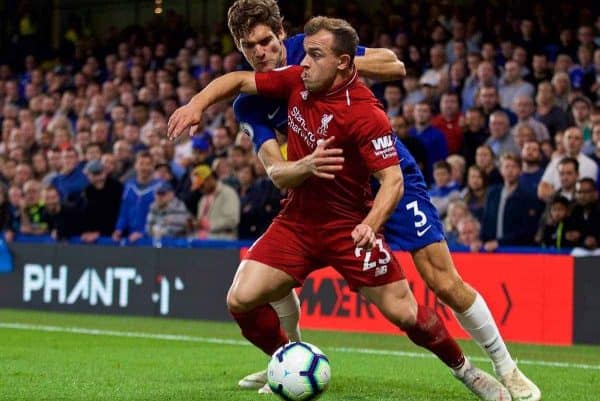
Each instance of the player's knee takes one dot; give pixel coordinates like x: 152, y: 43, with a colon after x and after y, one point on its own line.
x: 447, y: 288
x: 403, y: 313
x: 237, y: 302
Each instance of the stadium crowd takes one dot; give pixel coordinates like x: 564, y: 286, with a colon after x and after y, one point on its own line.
x: 502, y: 113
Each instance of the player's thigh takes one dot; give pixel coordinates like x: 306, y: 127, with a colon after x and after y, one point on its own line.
x: 360, y: 267
x: 256, y: 284
x: 395, y: 301
x: 278, y: 261
x: 415, y: 223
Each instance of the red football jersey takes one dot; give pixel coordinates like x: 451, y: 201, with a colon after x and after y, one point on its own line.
x: 361, y: 128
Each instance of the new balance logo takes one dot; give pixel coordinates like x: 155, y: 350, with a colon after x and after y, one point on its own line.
x: 382, y: 142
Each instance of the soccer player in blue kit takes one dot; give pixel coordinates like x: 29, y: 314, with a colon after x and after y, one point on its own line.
x: 415, y: 225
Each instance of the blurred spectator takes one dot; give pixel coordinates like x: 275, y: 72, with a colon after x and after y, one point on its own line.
x: 101, y: 202
x: 63, y: 219
x: 414, y: 145
x: 459, y: 166
x: 512, y: 85
x: 475, y: 192
x: 511, y: 212
x: 138, y: 195
x: 522, y: 132
x: 474, y: 134
x: 439, y: 68
x: 444, y: 190
x: 524, y: 108
x: 448, y: 121
x: 469, y: 230
x: 562, y: 89
x: 71, y: 180
x: 457, y: 209
x: 168, y: 216
x: 556, y: 224
x: 540, y: 70
x: 7, y: 223
x: 547, y: 112
x: 581, y: 109
x: 221, y: 141
x: 32, y: 209
x: 486, y: 161
x: 568, y: 172
x: 531, y: 169
x: 393, y: 100
x: 572, y: 142
x: 501, y: 141
x: 432, y: 138
x: 584, y: 229
x: 595, y: 151
x: 489, y: 102
x: 219, y: 208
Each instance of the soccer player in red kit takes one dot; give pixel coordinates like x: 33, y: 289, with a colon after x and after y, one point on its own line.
x: 330, y: 216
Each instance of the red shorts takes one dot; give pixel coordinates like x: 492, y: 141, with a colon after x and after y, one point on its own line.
x: 298, y: 250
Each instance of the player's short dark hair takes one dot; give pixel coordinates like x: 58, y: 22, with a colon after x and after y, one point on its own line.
x: 570, y: 160
x: 244, y: 15
x: 442, y: 165
x: 345, y: 38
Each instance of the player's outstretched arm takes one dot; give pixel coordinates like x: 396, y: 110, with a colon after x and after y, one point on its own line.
x: 323, y: 162
x: 388, y: 196
x: 219, y: 89
x: 380, y: 64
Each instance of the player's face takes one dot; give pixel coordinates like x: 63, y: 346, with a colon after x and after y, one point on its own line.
x: 263, y: 48
x: 320, y: 63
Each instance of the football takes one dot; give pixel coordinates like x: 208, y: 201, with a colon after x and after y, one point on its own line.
x: 298, y: 371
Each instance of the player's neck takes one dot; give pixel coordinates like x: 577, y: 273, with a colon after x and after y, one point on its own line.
x: 341, y: 80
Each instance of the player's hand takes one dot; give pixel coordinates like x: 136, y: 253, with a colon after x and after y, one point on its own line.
x: 363, y: 236
x: 324, y: 162
x: 183, y: 118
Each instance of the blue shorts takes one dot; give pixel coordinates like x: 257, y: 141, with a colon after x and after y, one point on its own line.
x: 415, y: 223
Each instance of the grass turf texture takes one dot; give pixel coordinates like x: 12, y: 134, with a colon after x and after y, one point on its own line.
x: 58, y: 365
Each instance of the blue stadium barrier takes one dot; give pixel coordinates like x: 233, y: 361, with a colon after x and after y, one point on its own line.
x: 169, y: 242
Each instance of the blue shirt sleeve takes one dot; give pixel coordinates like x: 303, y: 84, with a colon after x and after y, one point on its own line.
x: 360, y: 50
x: 251, y: 120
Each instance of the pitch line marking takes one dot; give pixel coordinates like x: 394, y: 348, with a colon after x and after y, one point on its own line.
x: 224, y: 341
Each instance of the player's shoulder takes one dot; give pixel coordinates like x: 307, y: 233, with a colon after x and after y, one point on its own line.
x: 294, y: 46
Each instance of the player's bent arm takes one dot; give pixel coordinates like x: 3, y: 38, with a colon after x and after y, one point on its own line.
x: 388, y: 196
x: 380, y: 64
x: 225, y: 87
x: 323, y: 162
x: 284, y: 174
x: 219, y: 89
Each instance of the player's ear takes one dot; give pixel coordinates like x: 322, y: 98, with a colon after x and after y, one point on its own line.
x: 344, y: 62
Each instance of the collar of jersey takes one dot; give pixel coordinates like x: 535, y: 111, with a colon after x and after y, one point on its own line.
x: 343, y: 85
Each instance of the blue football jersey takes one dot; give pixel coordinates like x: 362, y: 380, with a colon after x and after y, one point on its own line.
x: 260, y: 116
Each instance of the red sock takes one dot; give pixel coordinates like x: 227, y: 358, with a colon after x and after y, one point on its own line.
x: 429, y: 332
x: 261, y: 327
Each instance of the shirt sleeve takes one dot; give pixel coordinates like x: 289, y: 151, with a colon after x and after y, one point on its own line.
x: 376, y: 141
x: 278, y: 83
x: 252, y: 120
x: 360, y: 51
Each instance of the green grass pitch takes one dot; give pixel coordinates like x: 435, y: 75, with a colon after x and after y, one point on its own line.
x: 52, y: 356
